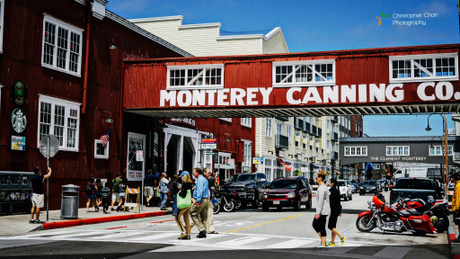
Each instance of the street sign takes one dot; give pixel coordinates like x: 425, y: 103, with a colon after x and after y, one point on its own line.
x: 208, y: 146
x: 53, y: 145
x: 209, y: 140
x: 258, y: 160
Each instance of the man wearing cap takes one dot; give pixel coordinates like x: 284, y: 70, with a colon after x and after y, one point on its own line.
x: 199, y: 211
x: 37, y: 193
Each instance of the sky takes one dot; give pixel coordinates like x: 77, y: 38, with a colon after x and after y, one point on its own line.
x: 311, y: 25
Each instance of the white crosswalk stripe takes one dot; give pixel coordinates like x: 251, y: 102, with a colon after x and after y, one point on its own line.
x: 151, y: 236
x: 241, y: 241
x: 115, y: 236
x: 293, y: 243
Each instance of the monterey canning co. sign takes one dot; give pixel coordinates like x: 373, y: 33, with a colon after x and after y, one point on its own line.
x: 312, y: 96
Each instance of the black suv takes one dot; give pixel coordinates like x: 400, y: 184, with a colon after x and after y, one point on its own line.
x: 250, y: 187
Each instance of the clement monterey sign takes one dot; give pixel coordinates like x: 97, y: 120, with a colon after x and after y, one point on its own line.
x: 306, y: 96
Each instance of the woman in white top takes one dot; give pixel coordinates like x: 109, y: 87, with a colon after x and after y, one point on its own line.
x: 323, y: 208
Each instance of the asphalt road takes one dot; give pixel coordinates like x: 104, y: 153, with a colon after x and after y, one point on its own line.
x: 248, y: 233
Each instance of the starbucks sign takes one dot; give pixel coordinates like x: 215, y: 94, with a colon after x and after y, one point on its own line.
x: 18, y: 120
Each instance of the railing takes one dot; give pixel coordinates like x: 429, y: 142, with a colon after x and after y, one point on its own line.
x: 282, y: 141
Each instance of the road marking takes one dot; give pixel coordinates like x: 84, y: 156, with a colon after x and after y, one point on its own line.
x: 241, y: 241
x: 111, y: 236
x: 137, y: 225
x: 393, y: 252
x: 73, y: 235
x: 262, y: 224
x: 155, y: 237
x: 293, y: 243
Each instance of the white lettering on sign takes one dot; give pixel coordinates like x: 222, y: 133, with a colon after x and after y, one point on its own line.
x: 343, y: 94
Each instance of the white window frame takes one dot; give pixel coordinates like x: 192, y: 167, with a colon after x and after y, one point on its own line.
x: 2, y: 23
x: 411, y: 58
x: 306, y: 62
x: 68, y: 105
x: 289, y: 133
x: 247, y: 153
x: 188, y: 86
x: 71, y: 29
x: 226, y: 119
x: 106, y: 150
x: 391, y: 153
x: 352, y: 151
x: 450, y: 150
x: 268, y: 128
x: 246, y: 122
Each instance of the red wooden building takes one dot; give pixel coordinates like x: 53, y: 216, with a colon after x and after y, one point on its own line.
x: 68, y: 55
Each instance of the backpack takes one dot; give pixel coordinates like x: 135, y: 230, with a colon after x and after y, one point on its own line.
x: 116, y: 186
x: 89, y: 189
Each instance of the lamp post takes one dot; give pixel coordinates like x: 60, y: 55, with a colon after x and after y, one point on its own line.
x: 445, y: 146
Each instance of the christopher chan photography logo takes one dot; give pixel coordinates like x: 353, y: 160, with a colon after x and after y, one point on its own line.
x: 405, y: 19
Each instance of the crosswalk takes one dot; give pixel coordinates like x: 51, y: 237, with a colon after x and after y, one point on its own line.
x: 222, y: 241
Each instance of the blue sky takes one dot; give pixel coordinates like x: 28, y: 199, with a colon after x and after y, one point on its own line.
x: 323, y: 25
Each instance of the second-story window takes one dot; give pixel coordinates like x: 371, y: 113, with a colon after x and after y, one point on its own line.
x: 247, y: 122
x: 61, y: 46
x: 195, y: 77
x: 304, y: 73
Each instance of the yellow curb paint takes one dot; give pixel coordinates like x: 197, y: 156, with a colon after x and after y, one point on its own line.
x: 262, y: 224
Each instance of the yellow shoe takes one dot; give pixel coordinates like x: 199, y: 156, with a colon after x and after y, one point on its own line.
x: 343, y: 239
x: 331, y: 244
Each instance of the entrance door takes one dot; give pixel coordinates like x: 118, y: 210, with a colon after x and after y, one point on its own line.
x: 172, y: 156
x: 188, y: 155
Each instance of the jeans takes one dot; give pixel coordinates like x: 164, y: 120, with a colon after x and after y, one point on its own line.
x: 164, y: 199
x: 175, y: 211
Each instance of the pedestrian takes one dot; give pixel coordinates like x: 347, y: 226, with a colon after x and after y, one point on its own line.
x: 148, y: 189
x: 156, y: 193
x: 105, y: 195
x: 122, y: 195
x: 116, y: 189
x: 322, y: 208
x: 164, y: 190
x: 174, y: 190
x: 336, y: 211
x: 211, y: 183
x: 90, y: 191
x: 185, y: 186
x: 199, y: 210
x: 38, y: 196
x: 99, y: 186
x: 456, y: 203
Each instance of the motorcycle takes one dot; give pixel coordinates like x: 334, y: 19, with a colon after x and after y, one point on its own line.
x: 225, y: 200
x: 215, y: 205
x: 438, y: 211
x: 391, y: 219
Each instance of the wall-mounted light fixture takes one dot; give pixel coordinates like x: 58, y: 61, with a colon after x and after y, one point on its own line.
x: 113, y: 45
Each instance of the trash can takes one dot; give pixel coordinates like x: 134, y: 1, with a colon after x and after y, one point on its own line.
x: 69, y: 201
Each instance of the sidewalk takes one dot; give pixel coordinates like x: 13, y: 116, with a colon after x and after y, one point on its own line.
x: 19, y: 224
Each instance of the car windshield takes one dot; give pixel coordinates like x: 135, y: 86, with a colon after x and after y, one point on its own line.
x: 246, y: 177
x: 414, y: 184
x: 283, y: 184
x: 370, y: 182
x: 341, y: 183
x: 232, y: 178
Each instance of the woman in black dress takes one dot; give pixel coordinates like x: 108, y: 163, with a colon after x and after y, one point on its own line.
x: 336, y: 211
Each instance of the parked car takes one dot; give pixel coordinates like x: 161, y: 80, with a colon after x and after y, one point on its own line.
x: 422, y: 187
x: 288, y: 192
x: 250, y: 187
x: 354, y: 187
x: 345, y: 189
x: 369, y: 186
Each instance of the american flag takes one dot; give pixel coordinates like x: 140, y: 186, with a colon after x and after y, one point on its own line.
x: 105, y: 138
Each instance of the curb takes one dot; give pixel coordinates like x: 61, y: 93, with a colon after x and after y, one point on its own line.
x: 78, y: 222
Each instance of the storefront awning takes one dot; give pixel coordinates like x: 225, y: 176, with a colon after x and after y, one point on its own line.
x: 284, y: 164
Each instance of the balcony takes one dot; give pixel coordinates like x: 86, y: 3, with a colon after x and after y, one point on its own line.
x: 335, y: 119
x: 319, y: 132
x: 306, y: 127
x: 313, y: 131
x: 282, y: 118
x: 282, y: 142
x: 335, y: 137
x: 298, y: 124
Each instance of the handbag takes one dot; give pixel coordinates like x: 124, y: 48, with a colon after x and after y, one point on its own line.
x: 186, y: 202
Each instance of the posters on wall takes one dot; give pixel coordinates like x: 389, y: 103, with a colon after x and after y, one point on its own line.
x: 135, y: 159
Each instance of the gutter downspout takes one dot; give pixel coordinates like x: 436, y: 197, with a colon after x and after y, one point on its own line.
x: 85, y: 76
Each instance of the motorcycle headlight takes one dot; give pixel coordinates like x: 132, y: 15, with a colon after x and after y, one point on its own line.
x: 291, y: 195
x: 361, y: 188
x: 373, y: 187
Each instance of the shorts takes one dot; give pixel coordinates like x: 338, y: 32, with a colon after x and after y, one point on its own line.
x: 115, y: 196
x: 91, y: 197
x: 332, y: 221
x: 122, y: 195
x: 38, y: 200
x: 148, y: 191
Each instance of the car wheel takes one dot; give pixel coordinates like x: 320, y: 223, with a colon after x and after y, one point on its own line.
x: 255, y: 203
x: 308, y: 205
x: 297, y: 205
x: 265, y: 207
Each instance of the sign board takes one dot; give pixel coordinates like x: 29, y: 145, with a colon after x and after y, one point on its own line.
x: 258, y: 160
x: 209, y: 140
x: 53, y: 144
x: 208, y: 146
x: 18, y: 120
x: 139, y: 155
x: 304, y: 169
x: 18, y: 143
x: 231, y: 162
x: 281, y: 153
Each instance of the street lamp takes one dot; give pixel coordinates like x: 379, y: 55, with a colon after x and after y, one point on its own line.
x: 444, y: 145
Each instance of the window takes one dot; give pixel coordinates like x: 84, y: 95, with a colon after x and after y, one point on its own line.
x: 430, y: 67
x: 100, y: 151
x: 288, y: 133
x: 439, y: 150
x: 247, y: 153
x: 304, y: 73
x: 397, y: 150
x: 61, y: 46
x: 226, y: 119
x: 247, y: 122
x: 268, y: 127
x: 195, y: 76
x: 2, y: 15
x: 356, y: 151
x: 60, y: 118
